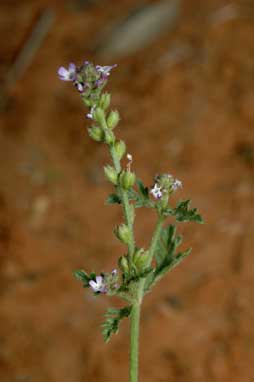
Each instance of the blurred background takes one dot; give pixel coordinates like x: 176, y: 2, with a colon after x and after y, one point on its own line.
x: 184, y: 86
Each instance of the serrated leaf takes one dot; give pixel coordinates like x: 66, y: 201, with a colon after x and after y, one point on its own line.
x: 160, y: 272
x: 113, y: 199
x: 165, y: 256
x: 113, y: 318
x: 183, y: 213
x: 167, y: 244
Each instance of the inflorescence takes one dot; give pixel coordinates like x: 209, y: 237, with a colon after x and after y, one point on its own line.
x: 139, y: 269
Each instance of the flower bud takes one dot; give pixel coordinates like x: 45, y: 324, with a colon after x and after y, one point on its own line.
x: 123, y: 264
x: 109, y: 137
x: 123, y: 233
x: 140, y: 259
x: 111, y: 174
x: 99, y: 116
x: 113, y: 119
x: 127, y: 179
x: 96, y: 133
x: 120, y: 148
x: 105, y: 101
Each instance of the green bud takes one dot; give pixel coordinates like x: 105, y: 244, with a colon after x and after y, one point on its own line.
x: 127, y: 179
x: 113, y: 119
x: 96, y: 133
x: 123, y: 233
x: 111, y: 174
x: 105, y: 101
x: 123, y: 264
x: 120, y: 149
x: 140, y: 259
x: 109, y: 137
x: 99, y: 116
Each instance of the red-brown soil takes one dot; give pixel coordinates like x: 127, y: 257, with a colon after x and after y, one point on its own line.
x: 192, y: 116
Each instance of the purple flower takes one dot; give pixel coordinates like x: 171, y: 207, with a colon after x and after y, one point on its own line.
x: 114, y: 272
x: 98, y: 285
x: 156, y: 191
x: 105, y: 70
x: 67, y: 74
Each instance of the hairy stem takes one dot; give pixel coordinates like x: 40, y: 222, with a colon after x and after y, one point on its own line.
x: 134, y: 341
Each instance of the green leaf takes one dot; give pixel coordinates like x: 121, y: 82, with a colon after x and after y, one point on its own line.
x: 183, y: 213
x: 113, y: 318
x: 160, y: 272
x: 138, y: 275
x: 167, y: 244
x: 165, y: 256
x: 81, y: 275
x: 113, y: 199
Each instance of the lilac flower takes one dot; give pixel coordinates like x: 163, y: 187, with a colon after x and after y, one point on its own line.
x: 177, y: 184
x: 91, y: 112
x: 98, y: 285
x: 105, y: 70
x: 67, y: 74
x: 156, y: 191
x: 114, y: 272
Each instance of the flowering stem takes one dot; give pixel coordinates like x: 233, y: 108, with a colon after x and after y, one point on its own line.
x: 125, y: 202
x: 134, y: 341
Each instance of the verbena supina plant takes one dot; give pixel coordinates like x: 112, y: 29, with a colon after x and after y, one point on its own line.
x: 138, y: 269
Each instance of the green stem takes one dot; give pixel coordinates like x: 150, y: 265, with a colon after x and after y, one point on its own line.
x: 134, y: 341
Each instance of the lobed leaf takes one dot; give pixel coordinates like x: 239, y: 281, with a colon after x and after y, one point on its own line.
x: 165, y: 256
x: 113, y: 318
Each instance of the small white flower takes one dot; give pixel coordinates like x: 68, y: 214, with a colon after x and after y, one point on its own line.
x: 98, y: 285
x: 156, y: 191
x: 105, y: 70
x: 129, y: 157
x: 67, y: 74
x: 91, y: 112
x: 80, y: 87
x: 177, y: 184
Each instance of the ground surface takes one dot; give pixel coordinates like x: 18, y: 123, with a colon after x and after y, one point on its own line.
x: 186, y: 102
